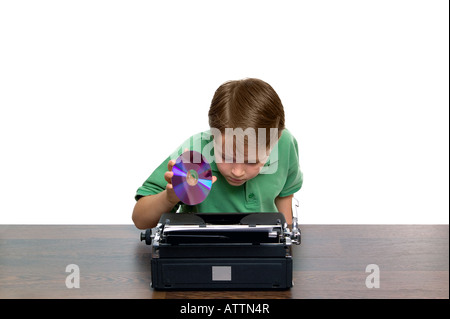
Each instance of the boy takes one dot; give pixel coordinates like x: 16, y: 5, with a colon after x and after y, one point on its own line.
x: 253, y: 158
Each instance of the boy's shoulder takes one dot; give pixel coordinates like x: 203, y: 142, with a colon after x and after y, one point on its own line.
x: 282, y: 154
x: 287, y: 136
x: 287, y: 141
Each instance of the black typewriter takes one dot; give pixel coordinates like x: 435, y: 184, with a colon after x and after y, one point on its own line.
x: 222, y: 251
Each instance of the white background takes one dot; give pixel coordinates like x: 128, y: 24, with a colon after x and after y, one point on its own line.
x: 95, y: 94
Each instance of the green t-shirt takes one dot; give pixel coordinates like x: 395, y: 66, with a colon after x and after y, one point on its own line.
x: 280, y: 176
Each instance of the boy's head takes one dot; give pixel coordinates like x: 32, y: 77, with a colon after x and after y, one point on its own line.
x: 246, y: 118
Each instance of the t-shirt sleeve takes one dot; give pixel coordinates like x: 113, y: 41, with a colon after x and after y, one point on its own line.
x: 294, y: 178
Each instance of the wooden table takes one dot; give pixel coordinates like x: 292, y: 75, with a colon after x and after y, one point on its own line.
x: 413, y: 262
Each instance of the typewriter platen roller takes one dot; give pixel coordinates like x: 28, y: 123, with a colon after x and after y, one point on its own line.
x: 222, y: 251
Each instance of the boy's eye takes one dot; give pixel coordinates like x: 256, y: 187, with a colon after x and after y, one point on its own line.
x: 227, y: 158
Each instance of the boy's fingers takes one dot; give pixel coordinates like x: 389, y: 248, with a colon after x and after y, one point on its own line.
x: 214, y: 179
x: 168, y: 177
x: 170, y: 165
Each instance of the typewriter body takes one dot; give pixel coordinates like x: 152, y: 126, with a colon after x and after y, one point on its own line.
x: 222, y: 251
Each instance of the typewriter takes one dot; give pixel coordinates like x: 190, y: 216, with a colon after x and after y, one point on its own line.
x: 222, y: 251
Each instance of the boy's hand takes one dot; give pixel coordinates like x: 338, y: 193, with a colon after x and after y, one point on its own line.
x: 171, y: 196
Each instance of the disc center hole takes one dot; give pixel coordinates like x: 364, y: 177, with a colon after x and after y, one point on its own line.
x: 192, y: 177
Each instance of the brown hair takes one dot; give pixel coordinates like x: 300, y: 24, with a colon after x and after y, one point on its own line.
x: 247, y: 103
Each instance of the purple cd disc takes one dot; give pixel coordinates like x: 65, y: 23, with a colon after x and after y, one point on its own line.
x: 192, y: 178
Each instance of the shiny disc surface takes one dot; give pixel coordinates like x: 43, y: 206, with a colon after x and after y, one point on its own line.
x: 192, y: 178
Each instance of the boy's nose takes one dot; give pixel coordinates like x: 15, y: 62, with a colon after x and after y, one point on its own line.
x: 238, y: 171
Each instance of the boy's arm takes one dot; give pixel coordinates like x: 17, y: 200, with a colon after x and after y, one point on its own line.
x: 148, y: 209
x: 284, y: 205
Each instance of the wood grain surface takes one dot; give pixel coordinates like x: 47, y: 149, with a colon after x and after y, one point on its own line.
x: 330, y: 263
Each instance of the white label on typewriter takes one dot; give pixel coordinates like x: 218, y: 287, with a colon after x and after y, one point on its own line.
x: 221, y: 273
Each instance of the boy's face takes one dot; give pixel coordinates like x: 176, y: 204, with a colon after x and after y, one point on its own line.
x: 237, y: 168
